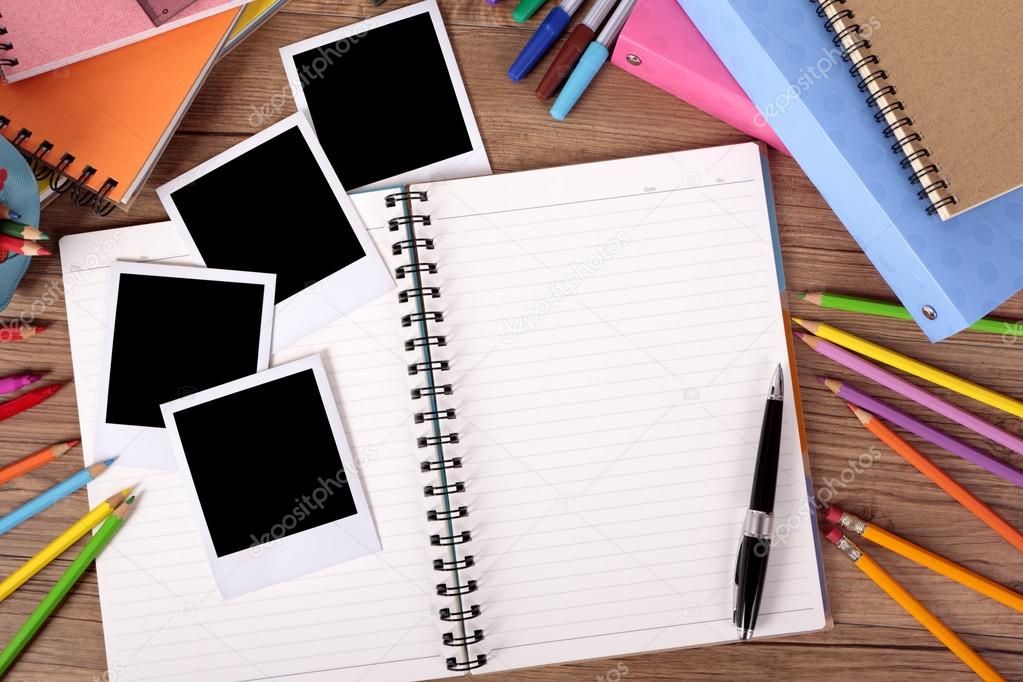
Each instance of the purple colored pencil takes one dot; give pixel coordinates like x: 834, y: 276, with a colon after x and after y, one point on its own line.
x: 932, y: 435
x: 902, y: 387
x: 17, y: 381
x: 493, y: 3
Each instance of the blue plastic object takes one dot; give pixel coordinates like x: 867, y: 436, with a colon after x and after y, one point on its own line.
x: 593, y: 59
x: 552, y: 26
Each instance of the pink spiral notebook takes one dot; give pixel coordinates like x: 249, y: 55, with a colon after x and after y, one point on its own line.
x: 42, y: 36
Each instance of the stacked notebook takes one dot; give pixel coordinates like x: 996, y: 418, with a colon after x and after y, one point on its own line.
x: 95, y: 129
x: 918, y: 150
x: 555, y: 417
x: 43, y: 36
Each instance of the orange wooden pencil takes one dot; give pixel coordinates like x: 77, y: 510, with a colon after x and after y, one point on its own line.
x: 904, y: 598
x: 939, y: 477
x: 34, y: 461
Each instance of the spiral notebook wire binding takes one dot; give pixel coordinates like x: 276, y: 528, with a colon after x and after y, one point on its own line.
x: 446, y: 494
x: 854, y: 43
x: 56, y: 175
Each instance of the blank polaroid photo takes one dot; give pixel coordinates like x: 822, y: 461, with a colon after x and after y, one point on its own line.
x: 387, y: 100
x: 173, y: 330
x: 273, y: 204
x: 274, y: 485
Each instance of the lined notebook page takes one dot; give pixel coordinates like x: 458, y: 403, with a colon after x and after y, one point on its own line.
x: 613, y: 329
x: 369, y: 619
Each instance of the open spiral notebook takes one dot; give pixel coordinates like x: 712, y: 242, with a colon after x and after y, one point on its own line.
x: 557, y: 448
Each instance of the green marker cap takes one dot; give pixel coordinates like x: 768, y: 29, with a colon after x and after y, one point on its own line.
x: 526, y: 9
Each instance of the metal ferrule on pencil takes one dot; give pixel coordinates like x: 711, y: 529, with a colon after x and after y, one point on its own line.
x: 758, y: 524
x: 852, y: 522
x: 849, y: 548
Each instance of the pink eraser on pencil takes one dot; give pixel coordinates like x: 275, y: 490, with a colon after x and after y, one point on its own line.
x: 833, y: 515
x: 663, y: 47
x: 834, y: 535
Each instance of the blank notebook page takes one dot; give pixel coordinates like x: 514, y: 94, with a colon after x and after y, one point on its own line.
x: 613, y: 329
x: 367, y: 620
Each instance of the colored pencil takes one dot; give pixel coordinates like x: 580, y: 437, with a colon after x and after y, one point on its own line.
x: 925, y: 558
x: 870, y: 306
x: 932, y: 435
x: 932, y: 471
x: 16, y: 382
x: 34, y: 461
x: 914, y: 367
x: 912, y: 606
x: 7, y: 214
x: 53, y: 495
x: 19, y: 332
x: 909, y: 390
x: 27, y: 401
x: 13, y: 228
x: 61, y: 543
x: 23, y: 247
x: 51, y: 601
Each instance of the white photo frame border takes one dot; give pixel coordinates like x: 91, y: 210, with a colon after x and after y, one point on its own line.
x: 147, y: 446
x: 274, y: 561
x: 468, y: 164
x: 328, y: 299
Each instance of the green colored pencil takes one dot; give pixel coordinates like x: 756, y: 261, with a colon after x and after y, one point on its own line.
x: 13, y: 228
x: 52, y: 600
x: 869, y: 306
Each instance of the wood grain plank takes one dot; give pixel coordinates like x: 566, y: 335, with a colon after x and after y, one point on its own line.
x: 622, y: 116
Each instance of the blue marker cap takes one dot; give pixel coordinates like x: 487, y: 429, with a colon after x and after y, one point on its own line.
x: 546, y: 33
x: 589, y: 65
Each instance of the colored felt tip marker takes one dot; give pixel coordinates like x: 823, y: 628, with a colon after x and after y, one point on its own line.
x: 591, y: 62
x: 6, y: 213
x: 546, y: 34
x: 27, y: 401
x: 525, y: 9
x: 16, y: 382
x: 569, y: 54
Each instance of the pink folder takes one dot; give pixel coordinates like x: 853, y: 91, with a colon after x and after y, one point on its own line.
x: 662, y: 46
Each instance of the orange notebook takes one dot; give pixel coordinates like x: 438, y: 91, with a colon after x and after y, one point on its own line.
x: 98, y: 126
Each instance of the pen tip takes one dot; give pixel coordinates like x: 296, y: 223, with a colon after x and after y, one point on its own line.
x: 777, y: 391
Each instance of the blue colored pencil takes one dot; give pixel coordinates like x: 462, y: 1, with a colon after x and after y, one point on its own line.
x: 53, y: 495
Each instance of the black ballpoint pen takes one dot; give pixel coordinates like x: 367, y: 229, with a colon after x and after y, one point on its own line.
x: 755, y: 542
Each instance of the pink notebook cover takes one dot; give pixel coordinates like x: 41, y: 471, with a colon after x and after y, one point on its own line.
x: 674, y: 57
x: 49, y: 34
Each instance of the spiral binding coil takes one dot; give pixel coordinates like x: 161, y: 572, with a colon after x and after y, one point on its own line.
x: 59, y: 181
x: 442, y: 467
x: 873, y: 80
x: 6, y: 46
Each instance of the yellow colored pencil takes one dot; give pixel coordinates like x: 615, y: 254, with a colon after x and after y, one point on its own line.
x: 913, y: 607
x: 926, y: 558
x: 61, y: 543
x: 914, y: 367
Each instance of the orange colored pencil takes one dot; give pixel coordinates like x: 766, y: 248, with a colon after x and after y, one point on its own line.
x: 35, y: 460
x: 939, y: 477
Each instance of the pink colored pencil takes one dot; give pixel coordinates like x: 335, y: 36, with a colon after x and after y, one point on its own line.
x: 17, y: 381
x: 901, y: 386
x: 932, y: 435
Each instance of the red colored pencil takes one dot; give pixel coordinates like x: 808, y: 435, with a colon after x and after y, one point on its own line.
x: 27, y: 401
x: 23, y: 247
x: 19, y: 333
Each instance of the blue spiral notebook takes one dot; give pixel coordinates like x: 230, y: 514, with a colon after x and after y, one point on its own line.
x: 782, y: 56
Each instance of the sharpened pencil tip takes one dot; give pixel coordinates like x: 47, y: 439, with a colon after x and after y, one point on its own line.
x: 800, y: 295
x: 72, y: 443
x: 833, y: 385
x: 131, y: 500
x: 110, y: 461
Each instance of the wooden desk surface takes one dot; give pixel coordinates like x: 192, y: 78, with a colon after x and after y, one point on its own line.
x: 873, y: 639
